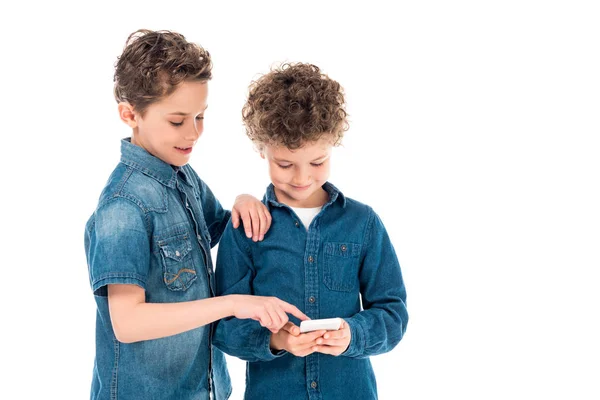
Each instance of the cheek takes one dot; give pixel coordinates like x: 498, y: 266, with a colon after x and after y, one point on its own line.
x: 275, y: 174
x: 322, y: 173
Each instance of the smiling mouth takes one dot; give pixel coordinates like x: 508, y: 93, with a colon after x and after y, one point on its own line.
x: 184, y: 150
x: 301, y: 187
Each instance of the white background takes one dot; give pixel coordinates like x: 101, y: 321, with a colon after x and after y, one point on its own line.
x: 474, y: 133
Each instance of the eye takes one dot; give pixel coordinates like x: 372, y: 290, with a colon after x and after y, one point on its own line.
x: 200, y: 117
x: 317, y: 164
x: 284, y: 166
x: 176, y: 123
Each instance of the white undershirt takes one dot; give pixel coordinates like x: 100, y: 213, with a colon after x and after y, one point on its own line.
x: 306, y: 215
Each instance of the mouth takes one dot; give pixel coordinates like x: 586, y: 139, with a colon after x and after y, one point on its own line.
x: 184, y: 150
x: 300, y: 187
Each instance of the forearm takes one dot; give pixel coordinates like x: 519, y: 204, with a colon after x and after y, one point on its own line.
x: 146, y: 321
x: 376, y: 330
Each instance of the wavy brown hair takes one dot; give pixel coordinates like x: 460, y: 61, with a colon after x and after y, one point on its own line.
x: 293, y: 104
x: 154, y: 63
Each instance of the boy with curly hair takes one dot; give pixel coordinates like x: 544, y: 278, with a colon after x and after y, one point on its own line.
x: 325, y: 253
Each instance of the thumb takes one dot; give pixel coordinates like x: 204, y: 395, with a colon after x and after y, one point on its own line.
x: 291, y: 328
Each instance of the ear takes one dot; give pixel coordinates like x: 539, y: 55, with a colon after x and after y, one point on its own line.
x: 127, y: 114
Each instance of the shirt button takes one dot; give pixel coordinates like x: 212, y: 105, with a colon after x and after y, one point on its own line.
x: 313, y: 384
x: 311, y: 299
x: 343, y: 247
x: 199, y: 238
x: 297, y: 224
x: 310, y: 259
x: 177, y: 253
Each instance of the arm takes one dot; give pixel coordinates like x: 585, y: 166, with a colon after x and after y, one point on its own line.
x: 382, y: 324
x: 119, y: 260
x: 244, y: 339
x: 135, y: 320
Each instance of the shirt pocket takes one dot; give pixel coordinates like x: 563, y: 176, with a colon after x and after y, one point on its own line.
x: 178, y: 267
x: 340, y: 269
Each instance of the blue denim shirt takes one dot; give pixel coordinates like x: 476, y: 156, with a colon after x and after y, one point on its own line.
x: 345, y: 254
x: 154, y: 227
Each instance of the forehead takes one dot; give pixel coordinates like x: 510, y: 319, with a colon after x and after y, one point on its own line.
x: 308, y: 151
x: 189, y: 97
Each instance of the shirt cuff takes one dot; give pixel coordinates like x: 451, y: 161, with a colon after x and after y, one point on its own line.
x: 263, y: 344
x: 357, y: 339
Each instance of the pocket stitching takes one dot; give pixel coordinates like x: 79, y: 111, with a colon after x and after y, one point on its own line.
x: 349, y: 257
x: 168, y: 249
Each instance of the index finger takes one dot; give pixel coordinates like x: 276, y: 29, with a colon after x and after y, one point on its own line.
x: 290, y: 309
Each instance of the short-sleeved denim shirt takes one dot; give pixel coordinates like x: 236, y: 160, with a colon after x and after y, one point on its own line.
x: 154, y: 227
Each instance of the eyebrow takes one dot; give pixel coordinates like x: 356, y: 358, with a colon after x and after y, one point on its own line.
x: 323, y: 157
x: 181, y: 113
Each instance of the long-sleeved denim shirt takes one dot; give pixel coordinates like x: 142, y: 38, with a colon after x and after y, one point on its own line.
x: 154, y: 227
x: 346, y: 254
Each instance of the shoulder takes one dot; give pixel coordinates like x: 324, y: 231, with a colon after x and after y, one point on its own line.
x: 356, y: 206
x: 116, y: 214
x: 131, y: 185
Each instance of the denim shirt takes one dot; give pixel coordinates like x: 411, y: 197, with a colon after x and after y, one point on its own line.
x: 154, y: 227
x: 346, y: 254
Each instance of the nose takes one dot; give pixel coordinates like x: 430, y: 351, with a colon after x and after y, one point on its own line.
x: 301, y: 177
x: 195, y: 131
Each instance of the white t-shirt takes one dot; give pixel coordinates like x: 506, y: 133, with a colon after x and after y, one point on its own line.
x: 306, y: 215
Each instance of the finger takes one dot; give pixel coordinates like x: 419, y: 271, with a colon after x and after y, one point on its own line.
x: 235, y: 218
x: 267, y: 217
x: 309, y: 337
x: 265, y: 320
x: 255, y: 224
x: 301, y: 347
x: 291, y: 309
x: 334, y: 351
x: 291, y: 328
x: 332, y: 342
x: 276, y: 322
x: 263, y: 223
x: 335, y: 335
x: 247, y: 225
x: 283, y: 317
x: 304, y: 352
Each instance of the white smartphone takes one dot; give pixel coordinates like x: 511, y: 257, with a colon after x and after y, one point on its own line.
x: 328, y: 324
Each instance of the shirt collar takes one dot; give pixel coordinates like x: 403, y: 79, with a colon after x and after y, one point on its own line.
x: 334, y: 195
x: 138, y: 158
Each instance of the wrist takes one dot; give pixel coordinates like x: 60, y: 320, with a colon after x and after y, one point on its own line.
x: 273, y: 343
x: 231, y: 304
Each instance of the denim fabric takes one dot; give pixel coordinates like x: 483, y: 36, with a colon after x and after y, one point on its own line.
x: 345, y: 254
x: 154, y: 227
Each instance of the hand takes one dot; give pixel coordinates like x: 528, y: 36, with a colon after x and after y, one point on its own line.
x: 271, y: 312
x: 334, y: 342
x: 254, y: 215
x: 299, y: 344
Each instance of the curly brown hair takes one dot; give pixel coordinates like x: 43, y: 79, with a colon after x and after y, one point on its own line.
x: 293, y: 104
x: 154, y: 63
